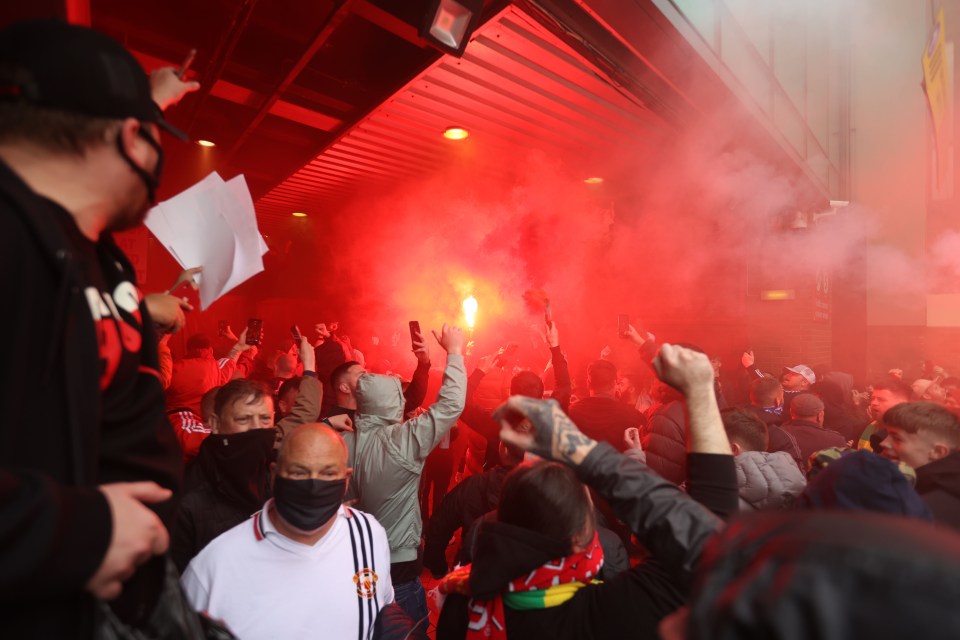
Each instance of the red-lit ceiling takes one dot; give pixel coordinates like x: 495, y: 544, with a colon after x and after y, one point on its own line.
x: 517, y: 88
x: 317, y: 101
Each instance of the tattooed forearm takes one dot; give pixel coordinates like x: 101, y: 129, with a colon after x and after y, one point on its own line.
x: 554, y: 435
x: 569, y: 444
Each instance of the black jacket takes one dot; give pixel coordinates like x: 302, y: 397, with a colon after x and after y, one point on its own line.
x: 605, y: 419
x: 229, y: 482
x: 938, y: 483
x: 665, y: 441
x: 54, y: 445
x: 674, y: 527
x: 465, y: 504
x: 807, y: 437
x: 480, y: 420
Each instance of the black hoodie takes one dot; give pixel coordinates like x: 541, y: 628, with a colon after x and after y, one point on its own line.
x: 668, y: 522
x: 62, y: 435
x: 938, y: 483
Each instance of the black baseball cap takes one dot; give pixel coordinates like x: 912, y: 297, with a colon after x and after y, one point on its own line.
x: 53, y: 64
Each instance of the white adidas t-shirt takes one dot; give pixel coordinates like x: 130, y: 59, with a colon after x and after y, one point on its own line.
x: 265, y: 585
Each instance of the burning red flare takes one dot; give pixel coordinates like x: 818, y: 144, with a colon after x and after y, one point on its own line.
x: 470, y: 307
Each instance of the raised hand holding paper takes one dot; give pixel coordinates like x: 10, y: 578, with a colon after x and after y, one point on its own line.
x: 212, y: 224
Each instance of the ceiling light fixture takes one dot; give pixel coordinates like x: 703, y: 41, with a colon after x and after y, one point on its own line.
x: 455, y: 133
x: 448, y: 24
x: 594, y: 180
x: 299, y: 214
x: 206, y: 143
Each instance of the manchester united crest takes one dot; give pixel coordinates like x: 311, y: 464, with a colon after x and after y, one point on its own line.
x: 366, y: 581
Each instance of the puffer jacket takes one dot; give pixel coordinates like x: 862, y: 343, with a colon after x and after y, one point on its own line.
x: 664, y: 440
x: 387, y: 454
x: 768, y: 481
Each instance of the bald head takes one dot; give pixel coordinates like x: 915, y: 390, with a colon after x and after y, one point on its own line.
x: 313, y: 451
x: 807, y: 406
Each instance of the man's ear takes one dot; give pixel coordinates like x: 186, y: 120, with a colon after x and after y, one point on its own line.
x: 283, y: 406
x: 735, y: 448
x: 214, y: 423
x: 940, y: 451
x: 135, y: 146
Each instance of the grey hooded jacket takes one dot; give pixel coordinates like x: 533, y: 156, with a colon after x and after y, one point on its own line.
x: 768, y: 481
x: 387, y: 454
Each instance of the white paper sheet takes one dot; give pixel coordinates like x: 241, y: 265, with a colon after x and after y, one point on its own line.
x: 212, y: 224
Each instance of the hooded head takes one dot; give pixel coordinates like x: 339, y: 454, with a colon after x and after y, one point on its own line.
x: 380, y: 396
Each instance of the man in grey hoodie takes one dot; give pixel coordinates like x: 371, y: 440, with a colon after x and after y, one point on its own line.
x: 387, y: 457
x: 766, y: 481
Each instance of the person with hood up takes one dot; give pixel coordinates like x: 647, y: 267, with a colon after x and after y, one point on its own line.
x: 766, y: 481
x: 387, y: 455
x: 835, y: 389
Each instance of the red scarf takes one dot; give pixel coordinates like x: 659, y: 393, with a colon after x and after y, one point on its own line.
x: 486, y: 617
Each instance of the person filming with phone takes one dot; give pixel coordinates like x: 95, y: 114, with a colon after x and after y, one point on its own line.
x: 387, y: 455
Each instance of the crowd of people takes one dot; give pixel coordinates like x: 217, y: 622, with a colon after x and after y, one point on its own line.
x: 302, y: 494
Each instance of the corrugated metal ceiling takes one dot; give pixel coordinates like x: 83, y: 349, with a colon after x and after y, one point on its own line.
x: 518, y: 87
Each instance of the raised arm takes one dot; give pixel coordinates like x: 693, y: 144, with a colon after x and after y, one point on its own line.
x: 416, y: 438
x: 417, y: 389
x: 691, y: 373
x: 711, y: 472
x: 307, y: 406
x: 646, y: 342
x: 668, y: 522
x: 563, y: 388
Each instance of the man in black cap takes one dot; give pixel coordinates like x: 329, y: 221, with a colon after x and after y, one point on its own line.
x: 88, y: 461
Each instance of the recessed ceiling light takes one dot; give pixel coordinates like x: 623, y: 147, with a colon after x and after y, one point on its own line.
x: 455, y: 133
x: 206, y: 143
x: 299, y: 214
x: 594, y: 180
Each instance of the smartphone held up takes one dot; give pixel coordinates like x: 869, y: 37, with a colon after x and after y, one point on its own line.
x: 254, y: 332
x: 415, y: 334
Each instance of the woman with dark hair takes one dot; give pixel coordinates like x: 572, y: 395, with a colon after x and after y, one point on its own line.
x: 534, y: 568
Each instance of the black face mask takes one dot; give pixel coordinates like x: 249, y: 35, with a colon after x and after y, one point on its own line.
x: 151, y: 182
x: 308, y: 504
x: 238, y: 465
